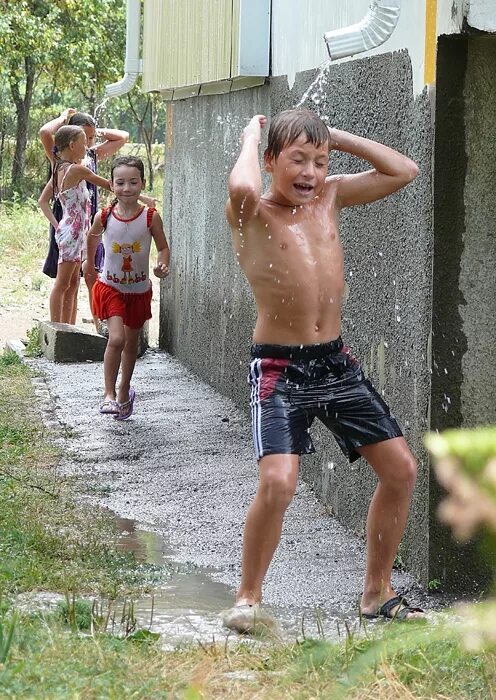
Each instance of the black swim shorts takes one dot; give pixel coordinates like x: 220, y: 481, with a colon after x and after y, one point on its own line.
x: 293, y: 384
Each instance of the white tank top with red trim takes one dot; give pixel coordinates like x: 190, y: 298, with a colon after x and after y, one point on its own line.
x: 127, y: 251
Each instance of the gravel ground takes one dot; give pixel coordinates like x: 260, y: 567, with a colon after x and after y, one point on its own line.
x: 182, y: 466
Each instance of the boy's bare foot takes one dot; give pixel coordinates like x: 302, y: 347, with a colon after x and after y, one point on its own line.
x: 248, y: 619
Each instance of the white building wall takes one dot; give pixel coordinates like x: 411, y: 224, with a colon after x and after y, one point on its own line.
x: 298, y: 27
x: 481, y: 14
x: 450, y: 14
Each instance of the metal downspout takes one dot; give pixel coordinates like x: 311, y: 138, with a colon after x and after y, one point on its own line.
x: 132, y: 64
x: 374, y: 29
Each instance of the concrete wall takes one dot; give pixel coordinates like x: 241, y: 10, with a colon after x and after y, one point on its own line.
x: 207, y: 311
x: 464, y: 290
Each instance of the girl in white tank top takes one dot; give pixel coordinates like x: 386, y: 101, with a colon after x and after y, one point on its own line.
x: 122, y: 293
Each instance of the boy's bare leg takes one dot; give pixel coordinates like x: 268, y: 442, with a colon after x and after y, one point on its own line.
x: 128, y: 361
x: 396, y: 469
x: 262, y: 532
x: 112, y: 357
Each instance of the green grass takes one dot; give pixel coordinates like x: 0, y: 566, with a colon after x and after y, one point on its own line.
x: 403, y: 663
x: 47, y: 540
x: 24, y: 243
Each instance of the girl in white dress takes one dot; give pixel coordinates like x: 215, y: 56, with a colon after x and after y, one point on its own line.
x: 68, y: 185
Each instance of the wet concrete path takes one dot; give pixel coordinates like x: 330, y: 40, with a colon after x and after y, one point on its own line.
x: 182, y: 467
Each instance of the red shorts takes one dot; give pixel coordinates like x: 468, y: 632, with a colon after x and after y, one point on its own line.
x: 134, y: 309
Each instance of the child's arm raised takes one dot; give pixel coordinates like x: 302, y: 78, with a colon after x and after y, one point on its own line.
x: 47, y: 131
x: 161, y: 269
x: 114, y: 141
x: 391, y: 172
x: 245, y: 180
x: 93, y: 238
x: 44, y: 203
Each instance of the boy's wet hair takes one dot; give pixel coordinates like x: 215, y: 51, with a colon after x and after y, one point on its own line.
x: 288, y: 125
x: 81, y: 119
x: 131, y: 162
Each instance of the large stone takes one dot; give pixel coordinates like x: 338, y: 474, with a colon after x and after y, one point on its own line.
x: 62, y: 342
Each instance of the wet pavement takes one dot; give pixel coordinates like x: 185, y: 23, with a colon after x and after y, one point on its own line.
x: 179, y: 475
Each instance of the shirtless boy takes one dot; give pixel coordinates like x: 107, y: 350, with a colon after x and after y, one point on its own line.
x: 287, y: 243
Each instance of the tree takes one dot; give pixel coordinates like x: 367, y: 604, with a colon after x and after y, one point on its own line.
x: 70, y: 42
x: 147, y: 111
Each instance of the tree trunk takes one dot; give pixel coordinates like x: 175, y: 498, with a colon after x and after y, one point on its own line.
x: 23, y: 108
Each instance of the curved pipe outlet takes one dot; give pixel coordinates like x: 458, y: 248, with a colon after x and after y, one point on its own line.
x: 132, y: 63
x: 374, y: 29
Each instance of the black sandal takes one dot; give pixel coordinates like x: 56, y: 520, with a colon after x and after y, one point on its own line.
x: 386, y: 610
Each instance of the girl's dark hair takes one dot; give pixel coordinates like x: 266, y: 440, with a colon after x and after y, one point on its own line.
x: 62, y: 139
x: 130, y: 161
x: 288, y: 125
x: 81, y: 119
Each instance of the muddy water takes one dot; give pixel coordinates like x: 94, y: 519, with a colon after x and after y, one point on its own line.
x: 187, y: 607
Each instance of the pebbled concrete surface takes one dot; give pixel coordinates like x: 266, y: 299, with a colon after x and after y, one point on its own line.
x: 183, y: 467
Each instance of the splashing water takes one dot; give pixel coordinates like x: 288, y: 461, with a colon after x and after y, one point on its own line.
x: 99, y: 109
x: 319, y: 83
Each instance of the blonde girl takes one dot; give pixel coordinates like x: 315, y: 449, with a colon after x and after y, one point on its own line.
x: 68, y: 185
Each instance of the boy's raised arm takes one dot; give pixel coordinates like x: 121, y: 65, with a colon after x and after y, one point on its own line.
x: 245, y: 180
x: 391, y: 170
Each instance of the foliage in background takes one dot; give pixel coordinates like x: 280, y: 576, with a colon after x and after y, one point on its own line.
x: 58, y: 54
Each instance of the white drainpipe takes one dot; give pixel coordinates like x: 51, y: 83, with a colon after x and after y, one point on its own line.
x: 132, y: 64
x: 377, y: 26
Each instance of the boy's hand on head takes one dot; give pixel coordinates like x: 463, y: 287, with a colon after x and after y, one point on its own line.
x: 255, y: 126
x: 161, y: 270
x: 334, y: 134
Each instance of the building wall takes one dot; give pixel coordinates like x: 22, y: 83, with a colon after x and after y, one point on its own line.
x: 464, y: 296
x: 298, y: 27
x: 207, y: 310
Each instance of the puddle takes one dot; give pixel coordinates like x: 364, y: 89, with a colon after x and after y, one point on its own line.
x: 186, y: 607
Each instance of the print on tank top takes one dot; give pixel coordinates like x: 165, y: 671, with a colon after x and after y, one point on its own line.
x: 127, y: 252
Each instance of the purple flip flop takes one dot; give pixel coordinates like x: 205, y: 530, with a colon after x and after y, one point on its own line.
x: 109, y: 408
x: 126, y: 408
